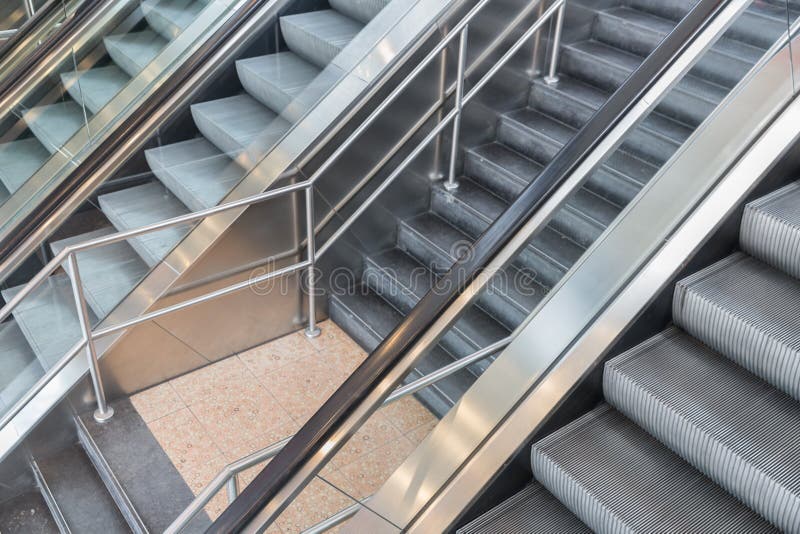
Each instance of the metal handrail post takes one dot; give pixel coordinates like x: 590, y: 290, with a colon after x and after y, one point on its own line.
x: 30, y: 9
x: 451, y: 183
x: 103, y: 412
x: 552, y: 75
x: 312, y: 330
x: 232, y: 488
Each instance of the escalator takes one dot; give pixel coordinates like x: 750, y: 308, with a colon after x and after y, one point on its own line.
x: 609, y: 467
x: 698, y: 428
x: 212, y: 146
x: 191, y: 175
x: 525, y: 141
x: 248, y: 100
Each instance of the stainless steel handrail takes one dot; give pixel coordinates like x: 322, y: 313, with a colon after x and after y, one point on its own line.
x: 69, y: 253
x: 227, y: 476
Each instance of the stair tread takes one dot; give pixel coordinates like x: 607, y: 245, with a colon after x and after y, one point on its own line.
x: 133, y: 51
x: 593, y: 99
x: 25, y: 514
x: 108, y: 273
x: 139, y: 206
x: 409, y: 277
x: 368, y: 318
x: 146, y: 474
x: 95, y: 88
x: 533, y: 510
x: 170, y: 17
x: 517, y: 167
x: 284, y: 82
x: 696, y: 401
x: 195, y: 171
x: 770, y: 229
x: 55, y: 124
x: 319, y: 36
x: 20, y: 369
x: 616, y: 477
x: 80, y: 494
x: 725, y: 45
x: 19, y: 160
x: 49, y: 319
x: 377, y: 315
x: 759, y: 303
x: 237, y: 123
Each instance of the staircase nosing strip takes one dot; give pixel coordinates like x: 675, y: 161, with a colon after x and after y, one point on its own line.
x: 50, y: 499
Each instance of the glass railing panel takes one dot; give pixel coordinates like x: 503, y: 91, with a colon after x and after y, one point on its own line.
x: 55, y: 122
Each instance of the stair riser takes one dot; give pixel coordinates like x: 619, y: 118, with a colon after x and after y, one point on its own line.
x: 677, y: 103
x: 491, y: 177
x: 672, y: 430
x: 712, y: 66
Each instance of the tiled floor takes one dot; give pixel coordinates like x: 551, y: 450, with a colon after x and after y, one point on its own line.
x: 218, y: 414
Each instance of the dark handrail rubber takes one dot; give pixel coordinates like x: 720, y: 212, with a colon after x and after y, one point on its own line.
x: 334, y: 412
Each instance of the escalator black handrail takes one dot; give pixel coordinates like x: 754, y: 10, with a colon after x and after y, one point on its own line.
x: 28, y: 224
x: 50, y: 44
x: 332, y: 415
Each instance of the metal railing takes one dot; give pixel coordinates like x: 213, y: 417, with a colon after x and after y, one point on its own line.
x: 69, y: 253
x: 30, y: 11
x: 227, y: 476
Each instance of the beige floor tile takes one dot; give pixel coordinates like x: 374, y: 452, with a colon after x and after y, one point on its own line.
x: 318, y: 501
x: 369, y: 472
x: 276, y: 354
x: 418, y: 434
x: 302, y: 386
x: 247, y: 476
x: 376, y: 432
x: 184, y: 439
x: 342, y: 359
x: 408, y: 414
x: 157, y: 402
x: 240, y: 416
x: 214, y: 381
x: 331, y: 335
x: 244, y: 448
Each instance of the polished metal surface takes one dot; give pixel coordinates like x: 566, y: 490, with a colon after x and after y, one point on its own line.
x: 636, y: 256
x: 106, y: 334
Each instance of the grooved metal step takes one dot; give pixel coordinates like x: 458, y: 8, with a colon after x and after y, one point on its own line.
x: 729, y: 424
x: 617, y: 478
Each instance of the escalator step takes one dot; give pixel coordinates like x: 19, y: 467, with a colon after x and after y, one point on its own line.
x: 19, y: 160
x: 95, y: 87
x: 238, y: 123
x: 55, y: 124
x: 318, y: 36
x: 20, y: 369
x: 284, y: 82
x: 771, y: 229
x: 108, y: 273
x: 361, y: 10
x: 170, y: 17
x: 49, y: 319
x: 195, y: 171
x: 747, y: 311
x: 617, y: 478
x: 532, y: 510
x: 142, y: 205
x: 728, y: 423
x: 132, y: 52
